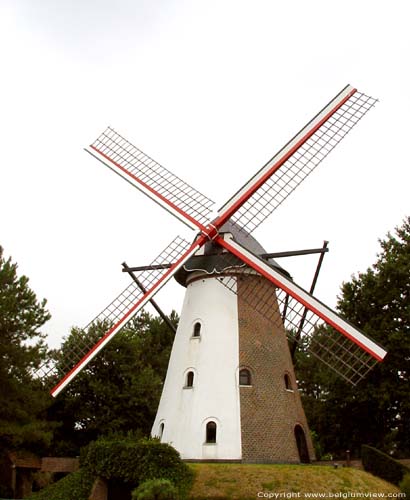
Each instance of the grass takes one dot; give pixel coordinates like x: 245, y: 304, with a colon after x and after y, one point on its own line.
x: 220, y: 481
x: 249, y: 481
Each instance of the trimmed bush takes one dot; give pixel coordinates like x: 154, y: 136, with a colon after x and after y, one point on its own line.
x: 405, y: 485
x: 382, y: 465
x: 155, y: 489
x: 75, y: 486
x: 134, y: 462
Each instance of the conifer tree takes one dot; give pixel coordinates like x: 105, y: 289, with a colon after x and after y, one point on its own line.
x: 22, y: 399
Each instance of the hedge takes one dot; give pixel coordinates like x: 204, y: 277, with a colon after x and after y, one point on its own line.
x: 382, y: 465
x: 155, y: 489
x: 123, y: 460
x: 75, y: 486
x: 134, y: 462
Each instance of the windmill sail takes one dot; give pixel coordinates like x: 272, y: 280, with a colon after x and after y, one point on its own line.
x: 258, y: 198
x: 326, y: 335
x: 154, y: 180
x: 117, y: 314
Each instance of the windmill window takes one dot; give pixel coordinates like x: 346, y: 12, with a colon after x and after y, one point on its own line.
x: 288, y: 383
x: 210, y: 432
x: 161, y: 430
x: 245, y: 377
x: 189, y: 379
x: 197, y: 330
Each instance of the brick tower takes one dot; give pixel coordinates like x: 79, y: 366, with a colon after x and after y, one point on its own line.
x: 230, y: 392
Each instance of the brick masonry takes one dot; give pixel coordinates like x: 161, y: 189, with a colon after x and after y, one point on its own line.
x: 269, y: 412
x: 99, y: 490
x: 59, y: 464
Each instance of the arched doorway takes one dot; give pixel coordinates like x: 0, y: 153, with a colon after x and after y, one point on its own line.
x: 302, y: 444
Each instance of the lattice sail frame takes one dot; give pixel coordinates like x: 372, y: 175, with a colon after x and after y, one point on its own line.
x: 116, y: 315
x: 302, y: 325
x: 295, y: 161
x: 154, y: 180
x: 260, y: 196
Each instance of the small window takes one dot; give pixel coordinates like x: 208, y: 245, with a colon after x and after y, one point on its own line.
x: 288, y: 383
x: 244, y: 377
x: 210, y: 432
x: 190, y: 379
x: 161, y: 430
x: 197, y: 330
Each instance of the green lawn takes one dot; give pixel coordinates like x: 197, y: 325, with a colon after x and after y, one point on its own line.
x: 248, y: 481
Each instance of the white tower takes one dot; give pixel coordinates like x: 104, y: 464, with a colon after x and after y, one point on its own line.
x: 200, y: 390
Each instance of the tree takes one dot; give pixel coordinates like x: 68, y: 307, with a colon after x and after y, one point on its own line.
x: 22, y: 399
x: 377, y: 410
x: 118, y: 391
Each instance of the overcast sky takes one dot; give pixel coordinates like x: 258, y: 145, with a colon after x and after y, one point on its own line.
x: 211, y: 90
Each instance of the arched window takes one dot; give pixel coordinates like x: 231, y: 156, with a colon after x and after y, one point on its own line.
x: 161, y: 430
x: 210, y: 432
x: 288, y: 382
x: 244, y: 377
x: 189, y: 379
x: 197, y: 330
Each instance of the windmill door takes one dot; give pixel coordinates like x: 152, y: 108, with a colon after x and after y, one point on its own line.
x: 302, y: 445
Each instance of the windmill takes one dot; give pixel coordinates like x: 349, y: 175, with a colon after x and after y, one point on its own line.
x: 230, y: 391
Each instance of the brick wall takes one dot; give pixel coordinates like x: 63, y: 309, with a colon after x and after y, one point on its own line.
x: 269, y: 412
x: 99, y: 490
x: 25, y: 459
x: 59, y: 464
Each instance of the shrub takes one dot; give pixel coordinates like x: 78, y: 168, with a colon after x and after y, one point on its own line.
x: 75, y: 486
x: 155, y: 489
x: 382, y: 465
x: 316, y: 445
x: 405, y: 485
x: 134, y: 462
x: 42, y: 480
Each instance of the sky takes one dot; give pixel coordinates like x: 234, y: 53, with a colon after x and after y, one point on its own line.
x: 211, y: 90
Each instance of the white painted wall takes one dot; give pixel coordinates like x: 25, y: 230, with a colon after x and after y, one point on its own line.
x: 214, y: 358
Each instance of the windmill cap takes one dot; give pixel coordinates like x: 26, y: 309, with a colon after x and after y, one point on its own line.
x: 212, y: 261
